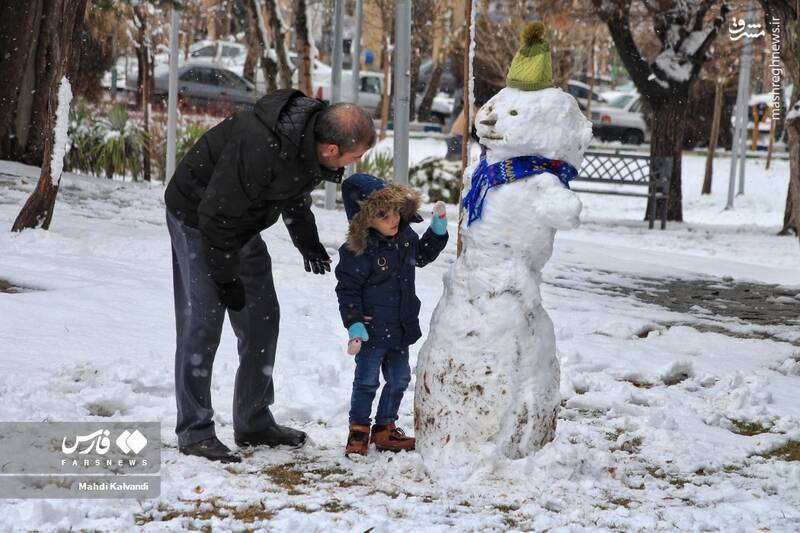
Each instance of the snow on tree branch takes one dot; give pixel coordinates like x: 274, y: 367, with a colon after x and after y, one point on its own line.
x: 686, y: 42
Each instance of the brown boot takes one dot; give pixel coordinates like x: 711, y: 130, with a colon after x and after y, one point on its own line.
x: 391, y: 439
x: 357, y: 440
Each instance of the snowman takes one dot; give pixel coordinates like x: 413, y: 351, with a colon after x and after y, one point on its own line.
x: 487, y: 378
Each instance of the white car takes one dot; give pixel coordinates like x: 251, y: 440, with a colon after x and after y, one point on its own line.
x: 370, y: 94
x: 219, y: 53
x: 620, y: 119
x: 581, y: 93
x: 626, y: 88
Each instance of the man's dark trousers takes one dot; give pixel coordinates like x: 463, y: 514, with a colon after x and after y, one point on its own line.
x: 199, y: 316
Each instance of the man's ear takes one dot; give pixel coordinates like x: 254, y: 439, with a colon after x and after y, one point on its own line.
x: 330, y: 150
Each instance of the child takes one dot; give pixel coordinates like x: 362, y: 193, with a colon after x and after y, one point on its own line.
x: 379, y: 306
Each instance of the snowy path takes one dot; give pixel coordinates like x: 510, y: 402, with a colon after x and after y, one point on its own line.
x: 666, y: 424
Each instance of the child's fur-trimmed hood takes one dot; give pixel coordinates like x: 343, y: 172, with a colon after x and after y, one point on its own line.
x: 366, y: 197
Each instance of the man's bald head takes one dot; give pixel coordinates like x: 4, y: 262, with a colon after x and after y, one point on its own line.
x: 345, y: 125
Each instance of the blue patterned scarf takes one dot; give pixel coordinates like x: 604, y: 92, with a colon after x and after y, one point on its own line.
x: 487, y: 176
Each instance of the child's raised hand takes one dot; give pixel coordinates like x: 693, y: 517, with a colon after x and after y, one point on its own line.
x: 439, y: 220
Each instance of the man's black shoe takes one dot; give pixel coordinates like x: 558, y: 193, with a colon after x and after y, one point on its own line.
x: 272, y: 436
x: 212, y: 449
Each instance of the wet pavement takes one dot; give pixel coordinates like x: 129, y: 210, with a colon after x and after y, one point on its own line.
x: 720, y: 305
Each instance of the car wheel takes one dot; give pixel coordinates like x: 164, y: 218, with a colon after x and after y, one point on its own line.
x: 633, y: 137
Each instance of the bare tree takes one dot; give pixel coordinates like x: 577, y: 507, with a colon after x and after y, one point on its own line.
x: 442, y: 16
x: 278, y: 31
x: 257, y: 26
x: 102, y: 36
x: 57, y: 21
x: 684, y: 35
x: 721, y: 70
x: 303, y: 47
x: 144, y: 55
x: 386, y: 9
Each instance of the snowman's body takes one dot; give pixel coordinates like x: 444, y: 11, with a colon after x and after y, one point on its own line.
x: 488, y: 374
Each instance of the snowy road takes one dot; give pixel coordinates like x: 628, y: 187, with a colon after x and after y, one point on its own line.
x: 672, y: 419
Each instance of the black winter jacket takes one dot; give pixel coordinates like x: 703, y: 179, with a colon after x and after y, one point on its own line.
x: 248, y: 170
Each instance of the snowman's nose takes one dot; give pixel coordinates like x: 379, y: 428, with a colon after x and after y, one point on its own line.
x: 490, y: 121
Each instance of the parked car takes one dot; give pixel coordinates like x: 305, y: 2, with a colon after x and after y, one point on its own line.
x: 447, y: 83
x: 207, y: 86
x: 581, y: 93
x: 620, y: 119
x: 626, y: 88
x: 370, y: 95
x: 218, y: 53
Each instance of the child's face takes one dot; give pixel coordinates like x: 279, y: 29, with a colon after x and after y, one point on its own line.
x: 387, y: 223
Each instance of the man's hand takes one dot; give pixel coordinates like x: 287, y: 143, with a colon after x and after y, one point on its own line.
x: 317, y: 260
x: 232, y: 294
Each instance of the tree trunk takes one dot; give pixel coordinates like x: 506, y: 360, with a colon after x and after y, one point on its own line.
x: 756, y: 124
x: 19, y: 34
x: 303, y: 48
x: 424, y: 111
x: 60, y: 20
x: 145, y: 60
x: 591, y: 84
x: 414, y: 71
x: 387, y: 69
x: 250, y: 39
x: 791, y: 215
x: 772, y: 124
x: 666, y: 140
x: 37, y: 32
x: 712, y: 140
x: 279, y: 45
x: 259, y: 28
x: 38, y: 209
x: 211, y: 18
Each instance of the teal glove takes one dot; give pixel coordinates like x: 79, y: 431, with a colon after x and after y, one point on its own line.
x: 439, y: 220
x: 358, y: 331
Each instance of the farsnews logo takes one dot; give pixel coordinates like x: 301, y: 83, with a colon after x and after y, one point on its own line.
x: 99, y: 442
x: 131, y: 442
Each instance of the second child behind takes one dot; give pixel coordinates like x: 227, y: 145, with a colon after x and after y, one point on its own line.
x: 378, y: 301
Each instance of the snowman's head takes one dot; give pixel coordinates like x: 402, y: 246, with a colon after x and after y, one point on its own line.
x: 546, y: 123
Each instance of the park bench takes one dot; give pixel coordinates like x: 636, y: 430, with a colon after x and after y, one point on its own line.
x: 629, y: 170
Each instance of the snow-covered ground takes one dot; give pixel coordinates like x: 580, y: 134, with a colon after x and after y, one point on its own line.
x: 657, y: 402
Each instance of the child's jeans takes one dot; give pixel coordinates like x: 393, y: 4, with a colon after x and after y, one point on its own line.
x: 396, y: 373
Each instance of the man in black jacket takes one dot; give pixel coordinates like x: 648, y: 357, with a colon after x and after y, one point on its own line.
x: 244, y: 173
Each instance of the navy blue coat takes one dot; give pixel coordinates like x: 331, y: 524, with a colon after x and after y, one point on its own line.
x: 379, y: 281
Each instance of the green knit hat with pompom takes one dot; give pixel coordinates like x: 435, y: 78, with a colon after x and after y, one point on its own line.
x: 532, y: 67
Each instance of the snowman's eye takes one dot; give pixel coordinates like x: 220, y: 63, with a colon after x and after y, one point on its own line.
x: 513, y: 112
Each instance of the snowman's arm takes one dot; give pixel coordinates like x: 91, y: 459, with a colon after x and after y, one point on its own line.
x: 352, y: 273
x: 429, y: 247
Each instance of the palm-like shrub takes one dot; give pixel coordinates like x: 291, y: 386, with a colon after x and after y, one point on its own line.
x: 119, y: 151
